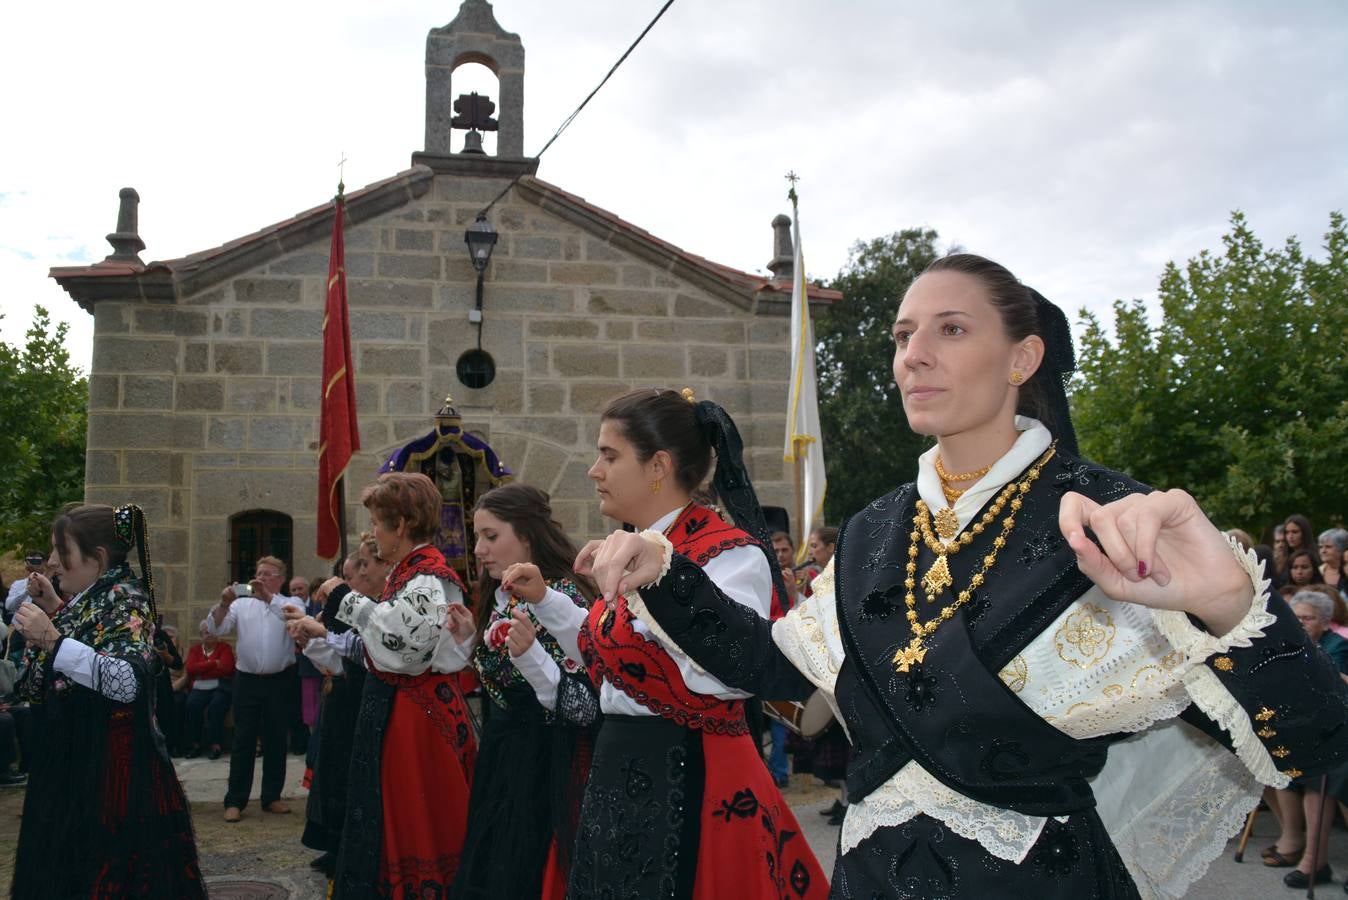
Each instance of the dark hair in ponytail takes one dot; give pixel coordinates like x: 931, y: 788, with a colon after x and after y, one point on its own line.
x: 528, y: 511
x: 662, y: 419
x: 1024, y: 311
x: 689, y: 431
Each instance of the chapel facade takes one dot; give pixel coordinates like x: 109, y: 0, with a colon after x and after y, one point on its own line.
x: 205, y: 382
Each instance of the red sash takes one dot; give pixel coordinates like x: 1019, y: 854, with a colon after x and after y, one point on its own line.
x: 637, y: 665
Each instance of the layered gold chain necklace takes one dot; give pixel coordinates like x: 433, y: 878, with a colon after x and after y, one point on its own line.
x: 938, y: 578
x: 947, y: 480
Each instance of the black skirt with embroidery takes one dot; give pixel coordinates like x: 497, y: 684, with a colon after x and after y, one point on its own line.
x: 509, y: 820
x: 104, y: 815
x: 326, y: 807
x: 922, y: 859
x: 639, y: 821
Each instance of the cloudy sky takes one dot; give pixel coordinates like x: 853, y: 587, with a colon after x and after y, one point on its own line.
x: 1082, y: 144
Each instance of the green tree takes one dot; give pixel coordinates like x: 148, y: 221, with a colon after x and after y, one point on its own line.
x: 1240, y: 393
x: 43, y: 403
x: 868, y: 447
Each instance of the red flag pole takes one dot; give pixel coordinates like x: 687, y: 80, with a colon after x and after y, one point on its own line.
x: 339, y: 437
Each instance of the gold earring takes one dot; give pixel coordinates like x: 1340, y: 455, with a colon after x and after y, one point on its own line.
x: 655, y: 487
x: 1017, y: 378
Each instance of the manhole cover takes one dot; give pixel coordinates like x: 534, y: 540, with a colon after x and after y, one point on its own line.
x: 248, y: 890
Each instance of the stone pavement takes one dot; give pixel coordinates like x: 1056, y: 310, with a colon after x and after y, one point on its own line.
x: 261, y: 857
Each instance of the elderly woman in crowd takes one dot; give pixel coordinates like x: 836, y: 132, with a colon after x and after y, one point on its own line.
x: 210, y: 665
x: 1333, y: 543
x: 1300, y: 804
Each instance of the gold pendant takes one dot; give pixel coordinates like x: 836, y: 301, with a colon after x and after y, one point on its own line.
x: 909, y: 656
x: 938, y: 577
x: 947, y: 523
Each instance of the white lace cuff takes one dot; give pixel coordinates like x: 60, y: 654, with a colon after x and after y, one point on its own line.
x: 666, y: 548
x: 1197, y: 644
x: 1202, y: 683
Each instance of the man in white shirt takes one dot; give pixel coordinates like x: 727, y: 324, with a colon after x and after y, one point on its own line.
x: 264, y: 682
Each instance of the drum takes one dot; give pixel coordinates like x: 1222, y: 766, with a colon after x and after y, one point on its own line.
x: 808, y: 719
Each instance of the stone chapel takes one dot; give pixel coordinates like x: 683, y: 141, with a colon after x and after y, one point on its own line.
x: 204, y: 388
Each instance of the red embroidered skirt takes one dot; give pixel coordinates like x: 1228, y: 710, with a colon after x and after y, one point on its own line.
x: 425, y: 772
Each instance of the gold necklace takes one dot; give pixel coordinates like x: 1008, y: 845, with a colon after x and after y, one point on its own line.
x: 967, y: 476
x: 951, y: 494
x: 938, y: 576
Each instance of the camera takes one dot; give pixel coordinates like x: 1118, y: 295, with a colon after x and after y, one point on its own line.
x: 34, y: 560
x: 243, y: 590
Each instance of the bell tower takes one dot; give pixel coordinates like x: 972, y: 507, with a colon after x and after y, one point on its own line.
x: 473, y: 37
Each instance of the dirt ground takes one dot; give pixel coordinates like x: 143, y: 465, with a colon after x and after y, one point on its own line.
x: 267, y: 847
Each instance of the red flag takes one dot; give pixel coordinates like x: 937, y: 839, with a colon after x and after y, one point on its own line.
x: 338, y: 436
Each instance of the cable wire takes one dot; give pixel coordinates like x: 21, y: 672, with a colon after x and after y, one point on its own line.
x: 571, y: 118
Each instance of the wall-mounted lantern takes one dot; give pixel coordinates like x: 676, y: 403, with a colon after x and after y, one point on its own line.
x: 475, y: 368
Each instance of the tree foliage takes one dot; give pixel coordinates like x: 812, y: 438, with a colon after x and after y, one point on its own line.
x: 43, y: 405
x: 1240, y: 394
x: 868, y: 447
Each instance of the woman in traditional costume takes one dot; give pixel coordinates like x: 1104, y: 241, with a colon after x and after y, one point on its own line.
x: 990, y: 633
x: 534, y: 754
x: 338, y: 652
x: 412, y: 756
x: 679, y: 803
x: 104, y: 815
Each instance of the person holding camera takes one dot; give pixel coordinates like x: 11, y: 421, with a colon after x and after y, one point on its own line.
x: 264, y: 683
x: 34, y: 561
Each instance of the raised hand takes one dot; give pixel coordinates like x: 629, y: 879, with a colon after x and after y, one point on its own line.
x: 301, y: 628
x: 292, y: 613
x: 1159, y: 551
x: 523, y: 580
x: 621, y: 561
x: 459, y: 621
x: 43, y: 594
x: 34, y: 624
x: 521, y: 635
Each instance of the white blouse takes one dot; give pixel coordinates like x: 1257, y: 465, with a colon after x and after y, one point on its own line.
x: 407, y: 634
x: 1102, y: 667
x: 741, y: 573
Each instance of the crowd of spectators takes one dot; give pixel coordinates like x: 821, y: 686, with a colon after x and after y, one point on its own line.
x: 1307, y: 569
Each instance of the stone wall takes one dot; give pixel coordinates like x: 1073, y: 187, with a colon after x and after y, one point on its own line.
x: 207, y: 407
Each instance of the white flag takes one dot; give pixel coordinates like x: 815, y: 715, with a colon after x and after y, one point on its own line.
x: 804, y: 440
